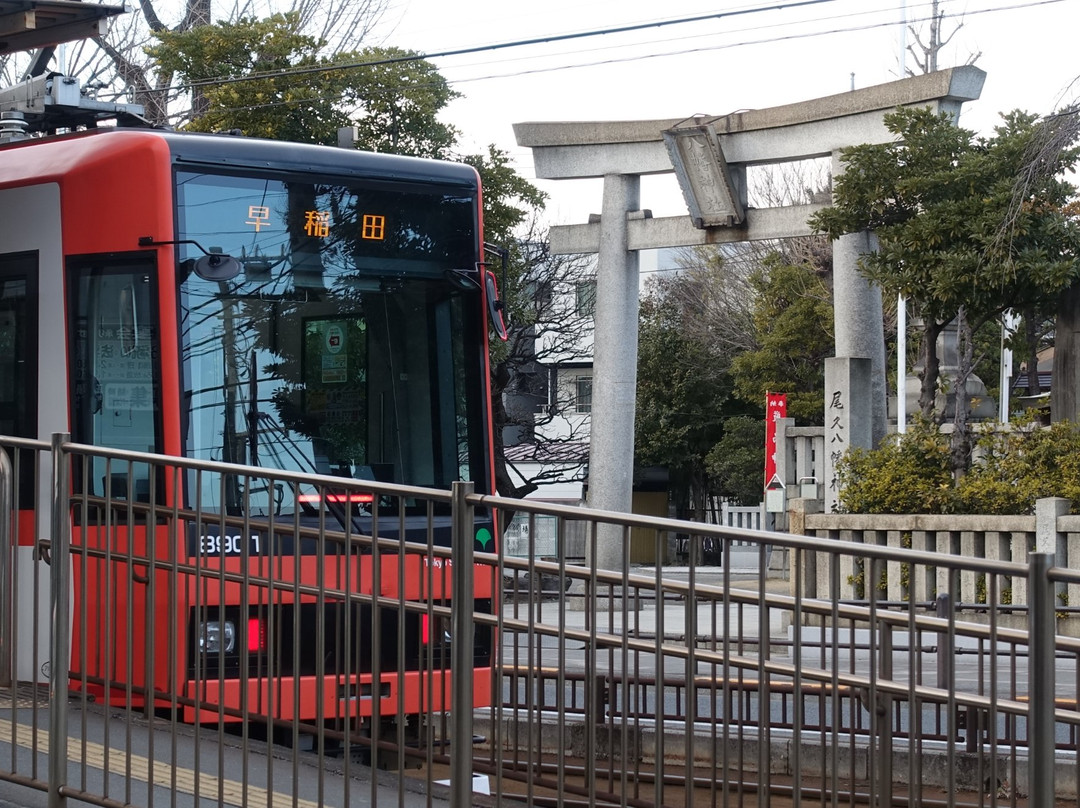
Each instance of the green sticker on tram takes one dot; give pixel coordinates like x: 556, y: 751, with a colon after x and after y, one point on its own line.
x: 483, y: 535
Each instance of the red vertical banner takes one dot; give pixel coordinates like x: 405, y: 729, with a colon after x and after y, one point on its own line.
x: 775, y: 408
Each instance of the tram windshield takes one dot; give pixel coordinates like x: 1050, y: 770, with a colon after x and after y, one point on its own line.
x: 343, y: 344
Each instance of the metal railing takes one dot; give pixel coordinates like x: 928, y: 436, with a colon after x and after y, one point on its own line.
x: 822, y: 679
x: 817, y: 666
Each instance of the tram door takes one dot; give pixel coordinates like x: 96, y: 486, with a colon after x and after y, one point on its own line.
x: 115, y: 404
x: 28, y: 586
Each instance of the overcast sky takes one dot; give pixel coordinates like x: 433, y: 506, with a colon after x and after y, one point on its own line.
x: 747, y: 60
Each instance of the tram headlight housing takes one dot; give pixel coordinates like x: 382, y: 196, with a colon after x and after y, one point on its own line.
x: 216, y: 636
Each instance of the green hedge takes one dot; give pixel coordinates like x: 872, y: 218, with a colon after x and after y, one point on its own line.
x: 1013, y: 467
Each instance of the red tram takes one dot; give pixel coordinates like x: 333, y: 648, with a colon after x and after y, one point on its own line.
x: 301, y: 308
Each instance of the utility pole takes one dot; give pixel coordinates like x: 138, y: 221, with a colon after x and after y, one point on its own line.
x: 935, y: 37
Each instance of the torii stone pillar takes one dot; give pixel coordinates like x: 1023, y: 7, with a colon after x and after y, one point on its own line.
x: 615, y: 338
x: 857, y: 317
x: 622, y: 151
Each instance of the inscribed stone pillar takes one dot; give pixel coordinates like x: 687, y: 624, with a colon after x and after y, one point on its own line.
x: 858, y: 321
x: 847, y: 415
x: 615, y: 340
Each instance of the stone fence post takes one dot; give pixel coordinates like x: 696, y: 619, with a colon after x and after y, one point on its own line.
x: 1047, y: 537
x: 806, y: 567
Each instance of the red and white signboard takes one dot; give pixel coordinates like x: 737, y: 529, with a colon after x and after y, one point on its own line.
x: 775, y: 408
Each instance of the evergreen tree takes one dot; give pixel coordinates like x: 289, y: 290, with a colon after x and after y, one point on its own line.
x: 939, y: 200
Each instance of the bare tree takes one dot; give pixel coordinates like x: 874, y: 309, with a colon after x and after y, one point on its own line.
x: 795, y: 182
x: 535, y: 402
x: 718, y: 290
x: 721, y: 275
x: 926, y: 47
x: 798, y: 182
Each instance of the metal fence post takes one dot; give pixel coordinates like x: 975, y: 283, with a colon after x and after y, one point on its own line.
x: 7, y: 481
x: 1041, y: 682
x: 59, y: 657
x: 461, y: 648
x: 945, y: 651
x: 885, y: 717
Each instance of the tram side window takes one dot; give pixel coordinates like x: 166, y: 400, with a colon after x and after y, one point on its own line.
x: 18, y: 361
x: 115, y: 385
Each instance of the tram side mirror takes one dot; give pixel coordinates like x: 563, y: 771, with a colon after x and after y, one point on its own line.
x: 214, y: 265
x: 217, y: 266
x: 495, y: 306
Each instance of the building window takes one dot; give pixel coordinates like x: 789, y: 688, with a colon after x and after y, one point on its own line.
x: 583, y: 396
x: 585, y: 298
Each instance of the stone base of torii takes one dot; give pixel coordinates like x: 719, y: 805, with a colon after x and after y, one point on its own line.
x: 709, y: 156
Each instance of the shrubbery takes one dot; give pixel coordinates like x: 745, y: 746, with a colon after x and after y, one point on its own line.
x: 907, y: 475
x: 1013, y: 468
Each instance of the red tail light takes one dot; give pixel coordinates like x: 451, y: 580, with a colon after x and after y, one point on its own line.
x: 256, y: 635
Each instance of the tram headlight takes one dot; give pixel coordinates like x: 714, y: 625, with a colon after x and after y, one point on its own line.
x: 216, y: 636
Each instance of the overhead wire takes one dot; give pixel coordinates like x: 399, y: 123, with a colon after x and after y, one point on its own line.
x: 727, y: 32
x: 547, y: 39
x: 419, y: 56
x: 644, y: 43
x: 631, y: 58
x: 743, y: 43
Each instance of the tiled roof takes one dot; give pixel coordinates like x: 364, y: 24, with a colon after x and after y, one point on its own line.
x: 549, y: 452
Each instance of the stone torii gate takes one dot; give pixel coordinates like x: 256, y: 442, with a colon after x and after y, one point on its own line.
x: 709, y: 157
